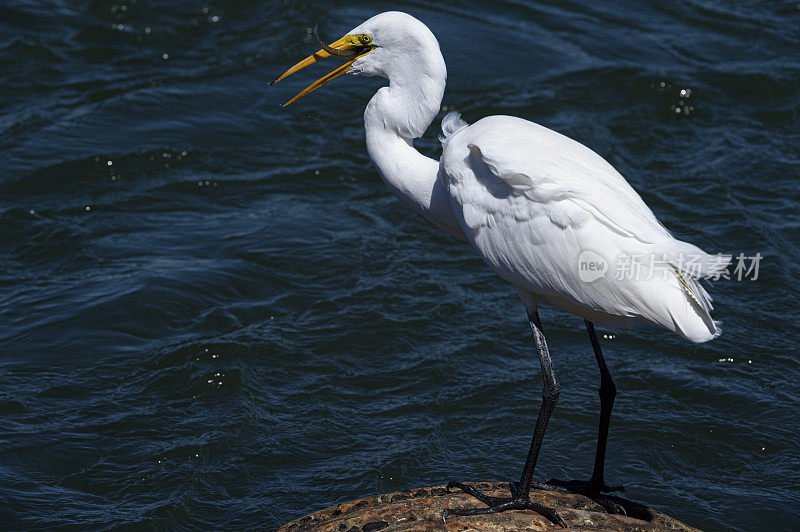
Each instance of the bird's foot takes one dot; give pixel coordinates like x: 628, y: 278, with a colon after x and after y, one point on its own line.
x: 590, y: 488
x: 517, y: 501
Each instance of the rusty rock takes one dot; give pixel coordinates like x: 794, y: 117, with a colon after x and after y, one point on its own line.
x: 421, y: 510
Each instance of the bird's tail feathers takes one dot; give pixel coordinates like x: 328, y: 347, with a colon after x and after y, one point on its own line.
x: 690, y: 264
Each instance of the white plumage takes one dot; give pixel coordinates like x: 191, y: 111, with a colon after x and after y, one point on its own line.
x: 531, y: 201
x: 528, y: 199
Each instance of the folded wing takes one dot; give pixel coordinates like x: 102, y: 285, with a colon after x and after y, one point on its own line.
x: 548, y: 214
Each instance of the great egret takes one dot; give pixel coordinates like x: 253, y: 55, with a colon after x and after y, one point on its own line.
x: 543, y: 211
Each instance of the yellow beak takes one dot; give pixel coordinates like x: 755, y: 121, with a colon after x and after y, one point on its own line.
x: 354, y: 43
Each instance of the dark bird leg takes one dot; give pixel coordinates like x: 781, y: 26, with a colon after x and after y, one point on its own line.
x: 607, y: 394
x: 596, y: 485
x: 520, y: 492
x: 550, y: 393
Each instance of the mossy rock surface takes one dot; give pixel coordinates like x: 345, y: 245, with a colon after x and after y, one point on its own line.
x: 421, y: 509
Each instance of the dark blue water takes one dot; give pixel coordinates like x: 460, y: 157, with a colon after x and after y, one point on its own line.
x: 214, y: 315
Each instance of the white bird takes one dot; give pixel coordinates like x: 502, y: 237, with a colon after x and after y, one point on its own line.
x: 546, y: 213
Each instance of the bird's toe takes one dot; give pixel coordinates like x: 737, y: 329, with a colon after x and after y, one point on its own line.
x: 500, y: 504
x: 588, y: 488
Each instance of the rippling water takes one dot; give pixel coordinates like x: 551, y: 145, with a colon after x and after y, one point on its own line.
x: 214, y: 314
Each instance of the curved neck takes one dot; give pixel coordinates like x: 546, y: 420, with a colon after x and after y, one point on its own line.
x: 394, y: 117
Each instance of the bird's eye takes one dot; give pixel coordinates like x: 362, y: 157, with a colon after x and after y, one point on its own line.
x: 366, y: 39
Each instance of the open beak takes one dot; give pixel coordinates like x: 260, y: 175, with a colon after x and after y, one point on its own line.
x: 350, y: 46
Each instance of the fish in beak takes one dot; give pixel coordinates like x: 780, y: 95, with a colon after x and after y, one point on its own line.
x: 349, y: 46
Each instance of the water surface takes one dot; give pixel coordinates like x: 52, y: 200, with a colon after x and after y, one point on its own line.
x: 213, y: 314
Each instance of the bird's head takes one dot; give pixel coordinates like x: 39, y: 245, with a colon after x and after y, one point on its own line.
x: 392, y: 45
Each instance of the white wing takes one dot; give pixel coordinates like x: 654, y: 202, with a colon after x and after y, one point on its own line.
x: 538, y: 206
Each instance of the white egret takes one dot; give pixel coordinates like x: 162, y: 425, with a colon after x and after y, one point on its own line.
x: 543, y: 211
